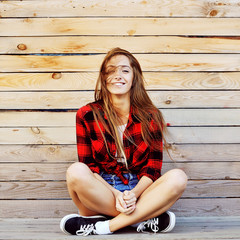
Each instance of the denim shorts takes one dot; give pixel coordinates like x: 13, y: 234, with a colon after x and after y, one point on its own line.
x: 117, y: 183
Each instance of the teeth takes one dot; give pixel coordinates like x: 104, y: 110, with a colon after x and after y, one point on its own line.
x: 118, y: 84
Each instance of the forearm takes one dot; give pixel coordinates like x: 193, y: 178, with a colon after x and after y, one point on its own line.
x: 142, y: 185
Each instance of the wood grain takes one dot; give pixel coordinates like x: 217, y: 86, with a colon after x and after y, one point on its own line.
x: 143, y: 44
x: 36, y: 135
x: 174, y: 117
x: 60, y: 208
x: 50, y: 54
x: 186, y: 8
x: 214, y: 170
x: 67, y: 135
x: 125, y: 26
x: 58, y: 190
x: 149, y: 62
x: 87, y: 81
x: 57, y: 171
x: 68, y: 153
x: 162, y: 99
x: 39, y: 153
x: 204, y: 152
x: 187, y: 228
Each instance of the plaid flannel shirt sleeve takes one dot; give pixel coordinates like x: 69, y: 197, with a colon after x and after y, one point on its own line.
x: 154, y: 163
x: 84, y: 144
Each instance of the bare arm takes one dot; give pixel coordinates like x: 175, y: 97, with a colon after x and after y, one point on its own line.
x: 130, y: 197
x: 142, y: 185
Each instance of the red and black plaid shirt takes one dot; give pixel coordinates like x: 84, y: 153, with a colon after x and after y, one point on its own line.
x: 142, y: 159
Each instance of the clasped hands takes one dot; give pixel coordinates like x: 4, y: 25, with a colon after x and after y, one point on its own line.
x: 125, y: 202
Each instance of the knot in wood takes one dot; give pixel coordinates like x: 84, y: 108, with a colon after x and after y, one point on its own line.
x: 35, y: 130
x: 51, y: 149
x: 168, y: 101
x: 213, y: 13
x: 22, y: 46
x: 56, y: 75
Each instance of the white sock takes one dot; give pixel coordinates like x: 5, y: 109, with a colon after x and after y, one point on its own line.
x: 102, y: 227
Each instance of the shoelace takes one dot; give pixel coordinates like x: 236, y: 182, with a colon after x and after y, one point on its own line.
x: 86, y: 230
x: 151, y: 223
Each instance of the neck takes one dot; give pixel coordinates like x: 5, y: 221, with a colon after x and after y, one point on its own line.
x: 122, y: 105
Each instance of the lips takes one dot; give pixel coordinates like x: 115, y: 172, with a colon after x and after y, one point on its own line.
x: 118, y: 84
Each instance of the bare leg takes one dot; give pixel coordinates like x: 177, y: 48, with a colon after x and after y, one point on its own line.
x: 158, y: 198
x: 92, y: 197
x: 89, y: 194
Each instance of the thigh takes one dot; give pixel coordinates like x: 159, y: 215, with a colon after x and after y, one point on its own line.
x: 90, y: 194
x: 174, y: 178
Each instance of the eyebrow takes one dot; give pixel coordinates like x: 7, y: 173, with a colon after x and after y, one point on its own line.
x: 118, y: 66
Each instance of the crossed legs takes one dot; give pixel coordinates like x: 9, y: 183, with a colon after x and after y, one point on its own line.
x: 93, y: 197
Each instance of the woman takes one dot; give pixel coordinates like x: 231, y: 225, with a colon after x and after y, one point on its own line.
x: 117, y: 181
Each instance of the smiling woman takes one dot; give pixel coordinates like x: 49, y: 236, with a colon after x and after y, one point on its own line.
x: 120, y: 144
x: 119, y: 76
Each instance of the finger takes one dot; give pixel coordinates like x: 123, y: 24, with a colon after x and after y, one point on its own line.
x: 122, y: 202
x: 120, y: 208
x: 130, y: 209
x: 131, y: 203
x: 128, y: 195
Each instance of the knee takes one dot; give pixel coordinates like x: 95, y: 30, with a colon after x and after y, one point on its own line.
x: 77, y: 173
x: 178, y: 180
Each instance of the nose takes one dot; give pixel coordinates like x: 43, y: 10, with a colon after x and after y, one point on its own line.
x: 117, y: 74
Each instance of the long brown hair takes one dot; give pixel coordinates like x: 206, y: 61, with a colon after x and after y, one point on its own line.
x: 143, y: 108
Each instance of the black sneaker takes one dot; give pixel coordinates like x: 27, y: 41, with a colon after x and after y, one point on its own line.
x: 163, y: 223
x: 75, y: 224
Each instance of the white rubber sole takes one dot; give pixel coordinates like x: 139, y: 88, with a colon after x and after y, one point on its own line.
x: 64, y: 220
x: 172, y: 222
x: 67, y: 217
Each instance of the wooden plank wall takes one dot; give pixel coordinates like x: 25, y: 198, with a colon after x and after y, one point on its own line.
x: 50, y: 52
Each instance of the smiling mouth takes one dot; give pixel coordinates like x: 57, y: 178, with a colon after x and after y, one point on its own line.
x: 118, y: 84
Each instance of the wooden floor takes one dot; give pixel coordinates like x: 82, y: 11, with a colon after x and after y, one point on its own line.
x: 186, y: 228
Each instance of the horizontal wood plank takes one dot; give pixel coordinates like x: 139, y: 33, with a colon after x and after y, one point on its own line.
x: 203, y: 170
x: 143, y: 44
x: 87, y: 81
x: 33, y: 190
x: 36, y: 135
x: 204, y: 135
x: 187, y: 228
x: 207, y: 207
x: 36, y: 208
x: 54, y: 8
x: 174, y: 117
x: 162, y: 99
x: 40, y: 119
x: 68, y: 153
x: 125, y: 26
x: 202, y: 117
x: 149, y: 62
x: 56, y: 190
x: 60, y: 208
x: 39, y: 153
x: 33, y: 172
x: 57, y: 171
x: 212, y: 188
x: 203, y: 152
x: 67, y: 135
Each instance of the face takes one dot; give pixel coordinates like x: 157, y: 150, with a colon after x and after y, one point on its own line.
x: 119, y: 75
